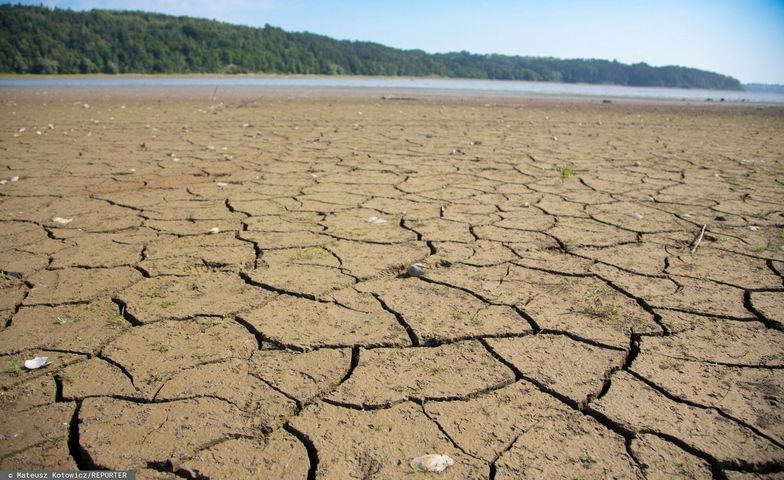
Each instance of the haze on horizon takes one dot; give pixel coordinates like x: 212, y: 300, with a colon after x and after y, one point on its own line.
x: 744, y: 39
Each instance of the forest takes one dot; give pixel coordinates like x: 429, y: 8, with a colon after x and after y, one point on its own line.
x: 40, y: 40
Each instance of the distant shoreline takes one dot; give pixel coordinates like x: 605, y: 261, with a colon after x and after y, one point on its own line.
x: 321, y: 85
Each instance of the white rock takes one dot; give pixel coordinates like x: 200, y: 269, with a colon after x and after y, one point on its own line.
x: 526, y: 205
x: 62, y: 221
x: 3, y: 182
x: 432, y: 463
x: 416, y: 270
x: 222, y: 184
x: 15, y: 178
x: 753, y: 228
x: 37, y: 362
x: 214, y: 230
x: 637, y: 215
x: 375, y: 220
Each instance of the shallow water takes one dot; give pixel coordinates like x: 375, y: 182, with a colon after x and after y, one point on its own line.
x: 488, y: 88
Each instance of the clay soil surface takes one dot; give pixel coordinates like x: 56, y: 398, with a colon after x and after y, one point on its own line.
x: 219, y: 285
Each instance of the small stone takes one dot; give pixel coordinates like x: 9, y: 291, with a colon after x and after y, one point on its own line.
x: 432, y: 463
x: 62, y: 221
x: 375, y: 220
x: 14, y: 178
x: 416, y: 270
x: 753, y: 228
x: 214, y: 230
x: 222, y: 184
x: 445, y: 263
x: 526, y: 204
x: 637, y: 215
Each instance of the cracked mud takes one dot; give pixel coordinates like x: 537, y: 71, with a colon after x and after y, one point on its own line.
x: 220, y: 286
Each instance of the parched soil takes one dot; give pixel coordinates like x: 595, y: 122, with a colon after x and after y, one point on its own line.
x: 219, y: 284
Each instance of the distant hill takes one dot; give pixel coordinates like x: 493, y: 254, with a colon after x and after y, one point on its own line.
x: 46, y: 41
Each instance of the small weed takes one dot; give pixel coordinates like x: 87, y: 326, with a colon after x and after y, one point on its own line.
x: 379, y: 427
x: 216, y: 321
x: 61, y: 321
x: 566, y: 171
x: 153, y: 293
x: 309, y: 253
x: 456, y: 314
x: 595, y: 303
x: 155, y: 378
x: 168, y: 304
x: 15, y: 365
x: 164, y: 348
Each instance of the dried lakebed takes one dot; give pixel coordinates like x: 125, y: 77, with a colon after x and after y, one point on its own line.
x: 220, y: 287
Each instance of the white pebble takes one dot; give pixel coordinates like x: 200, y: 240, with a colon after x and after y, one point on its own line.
x: 214, y: 230
x: 62, y: 221
x: 15, y: 178
x: 753, y: 228
x: 222, y: 184
x: 637, y: 215
x: 37, y: 362
x: 432, y: 463
x: 375, y: 220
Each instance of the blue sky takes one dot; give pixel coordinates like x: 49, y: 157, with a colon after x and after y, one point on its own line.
x: 742, y: 38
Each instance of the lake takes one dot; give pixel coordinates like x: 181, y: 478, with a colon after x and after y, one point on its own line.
x: 398, y: 85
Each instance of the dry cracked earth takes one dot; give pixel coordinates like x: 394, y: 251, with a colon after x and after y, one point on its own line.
x: 220, y: 286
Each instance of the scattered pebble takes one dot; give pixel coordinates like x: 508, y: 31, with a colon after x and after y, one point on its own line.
x: 637, y: 215
x: 526, y: 204
x: 85, y: 106
x: 432, y: 463
x: 416, y: 270
x: 22, y: 130
x: 222, y: 184
x: 175, y: 159
x: 15, y: 178
x: 37, y: 362
x: 214, y: 230
x: 650, y: 198
x: 62, y: 221
x: 753, y: 228
x: 375, y: 220
x: 3, y: 182
x: 445, y: 263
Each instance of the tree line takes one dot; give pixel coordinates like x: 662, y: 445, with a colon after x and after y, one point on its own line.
x: 41, y: 40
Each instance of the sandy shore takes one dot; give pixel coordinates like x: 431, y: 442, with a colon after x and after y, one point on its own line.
x: 218, y: 282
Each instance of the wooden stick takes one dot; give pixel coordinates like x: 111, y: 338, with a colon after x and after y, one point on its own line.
x: 212, y: 98
x: 697, y: 240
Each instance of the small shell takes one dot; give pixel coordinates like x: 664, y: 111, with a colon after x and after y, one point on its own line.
x: 416, y: 270
x: 375, y: 220
x: 62, y: 221
x: 37, y: 362
x: 431, y: 463
x: 214, y: 230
